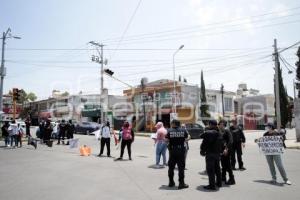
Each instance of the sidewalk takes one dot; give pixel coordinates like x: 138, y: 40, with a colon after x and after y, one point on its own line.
x: 292, y: 144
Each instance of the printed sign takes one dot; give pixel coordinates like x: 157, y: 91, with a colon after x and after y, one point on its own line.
x: 271, y: 145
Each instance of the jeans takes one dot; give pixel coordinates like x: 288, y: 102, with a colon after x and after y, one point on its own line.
x: 161, y: 148
x: 14, y: 138
x: 277, y: 159
x: 6, y: 140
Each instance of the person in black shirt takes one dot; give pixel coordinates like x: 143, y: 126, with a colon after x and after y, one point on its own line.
x: 211, y: 148
x: 238, y: 142
x: 225, y: 157
x: 47, y: 133
x: 70, y: 131
x: 176, y: 137
x: 28, y: 123
x: 62, y: 131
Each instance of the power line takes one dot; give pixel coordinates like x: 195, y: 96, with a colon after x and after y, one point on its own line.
x: 127, y: 26
x: 226, y: 26
x: 211, y: 34
x: 215, y: 23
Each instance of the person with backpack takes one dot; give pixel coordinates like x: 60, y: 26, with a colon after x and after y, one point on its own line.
x: 105, y: 134
x: 127, y: 140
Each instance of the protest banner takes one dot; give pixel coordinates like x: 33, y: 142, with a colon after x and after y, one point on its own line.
x: 271, y: 145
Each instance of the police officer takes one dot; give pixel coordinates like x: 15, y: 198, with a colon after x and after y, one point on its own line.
x: 70, y: 131
x: 225, y: 157
x: 211, y: 148
x: 62, y: 131
x: 238, y: 142
x: 176, y: 137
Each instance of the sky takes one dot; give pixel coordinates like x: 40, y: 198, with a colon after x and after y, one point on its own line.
x: 231, y: 41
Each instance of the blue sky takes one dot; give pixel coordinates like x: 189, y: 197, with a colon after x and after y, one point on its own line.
x: 220, y: 37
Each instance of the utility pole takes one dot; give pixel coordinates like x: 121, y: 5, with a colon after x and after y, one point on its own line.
x: 101, y: 61
x: 5, y: 36
x: 277, y: 98
x: 222, y: 96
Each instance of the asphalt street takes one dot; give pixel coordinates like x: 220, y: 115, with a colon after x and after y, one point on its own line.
x: 61, y: 173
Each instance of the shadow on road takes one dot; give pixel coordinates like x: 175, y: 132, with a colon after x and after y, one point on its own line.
x: 203, y: 173
x: 165, y: 187
x: 200, y: 188
x: 269, y: 183
x: 155, y: 167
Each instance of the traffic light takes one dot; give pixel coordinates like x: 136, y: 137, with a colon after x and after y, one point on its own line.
x: 16, y: 94
x: 109, y: 72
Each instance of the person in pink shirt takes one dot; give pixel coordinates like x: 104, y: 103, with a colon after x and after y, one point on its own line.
x: 161, y: 145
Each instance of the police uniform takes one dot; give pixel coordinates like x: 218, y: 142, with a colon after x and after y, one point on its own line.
x: 176, y: 137
x: 225, y: 158
x: 62, y: 132
x: 238, y: 138
x: 211, y: 148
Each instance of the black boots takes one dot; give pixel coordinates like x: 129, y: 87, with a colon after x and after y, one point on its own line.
x: 182, y: 186
x: 171, y: 183
x: 231, y: 181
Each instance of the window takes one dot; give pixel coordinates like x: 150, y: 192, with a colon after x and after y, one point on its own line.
x: 227, y: 104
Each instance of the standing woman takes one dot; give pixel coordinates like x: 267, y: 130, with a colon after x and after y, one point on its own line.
x: 20, y: 135
x: 127, y: 139
x: 161, y: 145
x: 271, y: 159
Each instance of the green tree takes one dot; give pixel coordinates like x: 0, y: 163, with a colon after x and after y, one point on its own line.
x: 204, y: 113
x: 298, y: 72
x: 284, y: 102
x: 31, y: 96
x: 65, y: 94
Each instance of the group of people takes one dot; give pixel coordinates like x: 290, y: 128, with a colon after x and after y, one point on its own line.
x: 64, y: 130
x: 12, y: 133
x: 220, y: 147
x: 126, y: 138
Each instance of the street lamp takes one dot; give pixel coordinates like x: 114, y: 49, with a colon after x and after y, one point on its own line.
x: 174, y: 85
x: 6, y: 35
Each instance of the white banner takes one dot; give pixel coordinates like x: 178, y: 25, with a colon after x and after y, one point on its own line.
x: 271, y: 145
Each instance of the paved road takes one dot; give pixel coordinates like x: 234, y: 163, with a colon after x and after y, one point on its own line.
x: 60, y: 173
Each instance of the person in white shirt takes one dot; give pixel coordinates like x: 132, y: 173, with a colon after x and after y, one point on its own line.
x: 13, y: 133
x: 105, y: 134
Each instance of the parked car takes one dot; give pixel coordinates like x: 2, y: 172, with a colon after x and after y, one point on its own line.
x: 86, y: 127
x: 195, y: 130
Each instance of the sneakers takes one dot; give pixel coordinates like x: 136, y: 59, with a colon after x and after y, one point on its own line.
x: 288, y: 182
x: 182, y: 186
x: 273, y: 182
